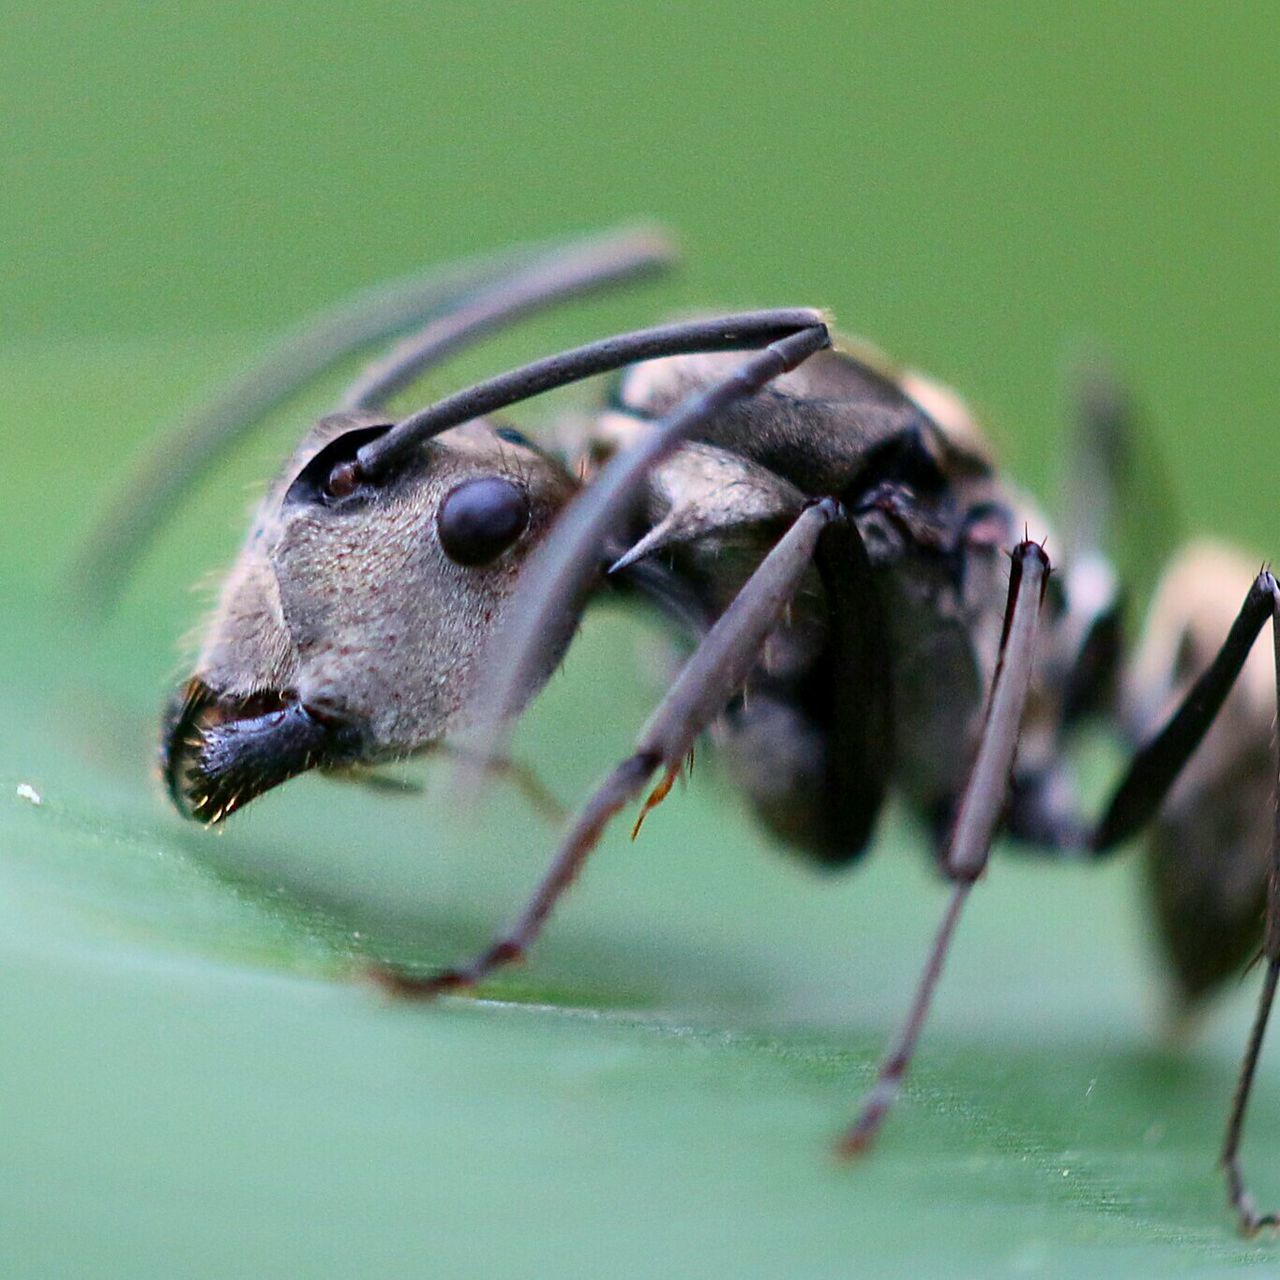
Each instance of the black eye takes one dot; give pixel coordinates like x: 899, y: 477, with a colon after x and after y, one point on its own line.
x: 480, y: 519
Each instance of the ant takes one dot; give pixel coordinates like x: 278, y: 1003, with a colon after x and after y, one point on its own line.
x: 864, y: 605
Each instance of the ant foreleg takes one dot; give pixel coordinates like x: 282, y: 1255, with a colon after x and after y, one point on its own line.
x: 979, y: 813
x: 718, y: 668
x: 621, y: 786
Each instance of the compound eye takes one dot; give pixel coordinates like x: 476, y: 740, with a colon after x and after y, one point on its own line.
x: 480, y: 519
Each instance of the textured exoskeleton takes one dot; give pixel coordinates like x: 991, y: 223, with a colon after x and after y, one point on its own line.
x: 864, y: 605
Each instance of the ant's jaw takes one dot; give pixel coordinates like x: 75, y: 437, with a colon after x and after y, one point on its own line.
x: 220, y: 752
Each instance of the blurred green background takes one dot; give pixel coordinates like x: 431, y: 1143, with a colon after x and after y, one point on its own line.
x: 192, y: 1081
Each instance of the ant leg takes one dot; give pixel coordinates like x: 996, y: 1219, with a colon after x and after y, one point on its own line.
x: 1097, y: 489
x: 981, y: 806
x: 718, y: 668
x: 522, y: 777
x: 1115, y: 487
x: 1139, y: 795
x: 462, y: 303
x: 1098, y: 476
x: 1238, y: 1197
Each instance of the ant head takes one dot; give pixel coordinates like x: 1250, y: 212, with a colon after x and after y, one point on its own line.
x: 349, y: 628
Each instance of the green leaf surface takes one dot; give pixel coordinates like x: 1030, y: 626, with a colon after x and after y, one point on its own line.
x: 196, y: 1079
